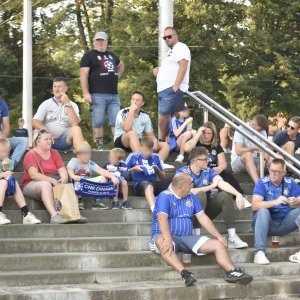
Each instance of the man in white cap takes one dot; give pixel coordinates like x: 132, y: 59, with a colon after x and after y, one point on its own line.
x: 100, y: 71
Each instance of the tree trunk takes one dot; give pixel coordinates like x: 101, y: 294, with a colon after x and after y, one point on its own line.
x: 108, y: 11
x: 81, y: 26
x: 88, y: 23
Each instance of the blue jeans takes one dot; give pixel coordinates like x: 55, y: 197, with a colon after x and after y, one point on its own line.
x: 104, y: 104
x: 61, y: 143
x: 19, y: 146
x: 264, y: 225
x: 168, y: 101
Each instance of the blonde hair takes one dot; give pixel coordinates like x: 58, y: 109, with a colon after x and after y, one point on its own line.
x: 119, y: 152
x: 4, y: 142
x: 37, y: 135
x: 211, y: 126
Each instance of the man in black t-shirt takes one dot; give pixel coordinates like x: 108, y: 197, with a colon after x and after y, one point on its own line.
x: 100, y: 71
x: 21, y: 131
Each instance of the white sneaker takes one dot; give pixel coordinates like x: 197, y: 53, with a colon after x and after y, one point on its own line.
x: 31, y: 219
x: 295, y: 258
x: 247, y: 203
x: 166, y: 166
x: 236, y: 243
x: 3, y: 219
x: 180, y: 158
x: 260, y: 258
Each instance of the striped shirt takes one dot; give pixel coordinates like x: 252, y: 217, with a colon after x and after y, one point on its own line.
x: 180, y: 212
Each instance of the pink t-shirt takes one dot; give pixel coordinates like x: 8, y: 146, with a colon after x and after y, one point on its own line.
x: 49, y: 166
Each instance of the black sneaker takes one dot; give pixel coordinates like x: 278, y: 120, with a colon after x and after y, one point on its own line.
x: 126, y: 204
x: 188, y: 277
x: 238, y: 276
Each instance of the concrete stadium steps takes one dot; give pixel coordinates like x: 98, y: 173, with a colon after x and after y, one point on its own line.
x: 135, y: 274
x: 281, y: 287
x: 108, y: 258
x: 118, y: 259
x: 63, y: 243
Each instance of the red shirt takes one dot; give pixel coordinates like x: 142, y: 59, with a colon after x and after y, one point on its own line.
x: 49, y: 166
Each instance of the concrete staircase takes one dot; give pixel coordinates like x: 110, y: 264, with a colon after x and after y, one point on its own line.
x: 108, y: 258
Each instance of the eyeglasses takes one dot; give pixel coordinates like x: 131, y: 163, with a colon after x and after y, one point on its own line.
x: 167, y: 37
x: 291, y: 127
x: 202, y: 159
x: 275, y: 172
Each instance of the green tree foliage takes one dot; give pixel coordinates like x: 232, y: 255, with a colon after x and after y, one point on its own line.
x: 245, y: 55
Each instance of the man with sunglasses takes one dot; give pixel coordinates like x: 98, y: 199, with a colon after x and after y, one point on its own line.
x: 276, y: 207
x: 289, y: 139
x: 172, y: 78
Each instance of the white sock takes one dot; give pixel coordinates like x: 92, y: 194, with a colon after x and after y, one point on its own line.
x: 152, y: 207
x: 231, y: 232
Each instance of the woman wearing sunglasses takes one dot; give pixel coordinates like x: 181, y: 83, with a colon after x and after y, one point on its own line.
x: 43, y: 169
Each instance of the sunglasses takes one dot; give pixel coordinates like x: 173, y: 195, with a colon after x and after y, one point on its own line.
x: 291, y: 127
x: 42, y: 131
x: 167, y: 37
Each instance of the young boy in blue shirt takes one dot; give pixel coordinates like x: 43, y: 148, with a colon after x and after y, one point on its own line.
x: 146, y: 166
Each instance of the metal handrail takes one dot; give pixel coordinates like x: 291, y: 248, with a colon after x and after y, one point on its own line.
x: 259, y: 140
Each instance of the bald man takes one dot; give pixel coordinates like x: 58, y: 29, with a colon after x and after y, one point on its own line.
x: 172, y: 232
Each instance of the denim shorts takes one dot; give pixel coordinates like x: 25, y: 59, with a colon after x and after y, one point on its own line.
x: 104, y: 104
x: 187, y: 244
x: 168, y: 100
x: 61, y: 143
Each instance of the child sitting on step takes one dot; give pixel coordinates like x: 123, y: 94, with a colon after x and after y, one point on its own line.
x: 81, y: 166
x: 145, y: 167
x: 9, y: 186
x: 117, y: 166
x: 180, y: 130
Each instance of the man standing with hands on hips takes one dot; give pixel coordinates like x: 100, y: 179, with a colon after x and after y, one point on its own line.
x: 100, y: 71
x: 172, y: 78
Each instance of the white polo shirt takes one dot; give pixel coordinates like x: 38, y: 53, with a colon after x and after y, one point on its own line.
x: 54, y: 115
x: 168, y: 70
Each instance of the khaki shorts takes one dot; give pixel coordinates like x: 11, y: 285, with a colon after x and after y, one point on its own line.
x: 237, y: 165
x: 32, y: 190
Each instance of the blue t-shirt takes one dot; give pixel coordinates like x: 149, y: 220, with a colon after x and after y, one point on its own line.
x: 115, y: 169
x: 180, y: 212
x: 174, y: 124
x: 205, y: 178
x: 282, y: 137
x: 3, y: 112
x: 269, y: 191
x: 149, y: 172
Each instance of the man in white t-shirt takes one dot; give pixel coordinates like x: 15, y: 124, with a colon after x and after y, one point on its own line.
x: 245, y: 154
x: 172, y: 78
x: 132, y: 124
x: 60, y: 116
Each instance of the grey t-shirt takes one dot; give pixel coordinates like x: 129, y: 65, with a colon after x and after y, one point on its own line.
x: 54, y: 116
x: 141, y: 124
x: 85, y: 170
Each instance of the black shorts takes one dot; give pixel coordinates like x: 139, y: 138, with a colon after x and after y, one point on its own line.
x: 158, y: 186
x: 118, y: 144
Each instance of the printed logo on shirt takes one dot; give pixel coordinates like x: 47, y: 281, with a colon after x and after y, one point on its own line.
x: 99, y: 57
x: 205, y: 182
x: 214, y: 152
x: 285, y: 192
x: 109, y: 65
x: 188, y: 203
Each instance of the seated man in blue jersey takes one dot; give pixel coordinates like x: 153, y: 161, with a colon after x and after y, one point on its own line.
x: 146, y: 166
x: 206, y: 186
x: 276, y: 206
x: 172, y: 231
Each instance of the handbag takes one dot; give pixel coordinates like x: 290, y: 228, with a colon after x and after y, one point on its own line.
x: 66, y: 201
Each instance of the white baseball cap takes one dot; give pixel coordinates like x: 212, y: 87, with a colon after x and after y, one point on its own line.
x: 100, y: 35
